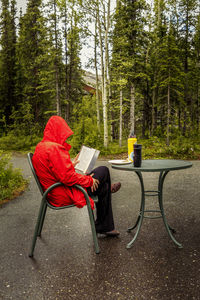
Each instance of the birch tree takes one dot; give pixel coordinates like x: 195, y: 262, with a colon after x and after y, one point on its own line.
x: 96, y: 75
x: 55, y: 34
x: 103, y: 21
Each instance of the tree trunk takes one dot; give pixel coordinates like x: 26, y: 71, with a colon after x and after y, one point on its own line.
x: 67, y: 106
x: 120, y: 116
x: 168, y: 115
x: 58, y: 107
x: 153, y: 113
x: 198, y: 110
x: 97, y: 77
x: 132, y: 108
x: 104, y: 69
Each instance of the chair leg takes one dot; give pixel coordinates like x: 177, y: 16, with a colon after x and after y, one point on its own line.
x: 42, y: 220
x: 37, y: 226
x: 94, y: 234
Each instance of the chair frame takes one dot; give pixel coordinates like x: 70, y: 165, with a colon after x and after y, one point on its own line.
x: 44, y: 204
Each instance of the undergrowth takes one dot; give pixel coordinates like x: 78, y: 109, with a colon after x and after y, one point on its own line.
x: 11, y: 179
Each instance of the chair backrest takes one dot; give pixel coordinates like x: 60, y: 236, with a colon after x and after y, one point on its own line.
x: 30, y: 156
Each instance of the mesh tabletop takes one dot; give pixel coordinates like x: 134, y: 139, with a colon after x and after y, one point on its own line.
x: 156, y: 165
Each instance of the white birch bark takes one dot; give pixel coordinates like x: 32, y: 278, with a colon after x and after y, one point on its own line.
x: 104, y: 65
x: 105, y: 104
x: 97, y: 77
x: 132, y: 109
x: 109, y: 97
x: 58, y: 106
x: 120, y: 117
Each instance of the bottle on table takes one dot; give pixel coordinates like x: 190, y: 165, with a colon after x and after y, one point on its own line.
x: 137, y: 155
x: 131, y: 141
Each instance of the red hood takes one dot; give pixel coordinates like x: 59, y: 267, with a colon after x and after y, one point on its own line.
x: 57, y: 131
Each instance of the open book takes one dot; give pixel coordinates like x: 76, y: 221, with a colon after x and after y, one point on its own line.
x: 87, y: 158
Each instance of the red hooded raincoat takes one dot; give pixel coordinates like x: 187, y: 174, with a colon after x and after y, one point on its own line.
x: 52, y: 163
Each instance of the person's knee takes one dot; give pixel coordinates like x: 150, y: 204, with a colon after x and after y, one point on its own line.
x: 102, y: 173
x: 105, y: 170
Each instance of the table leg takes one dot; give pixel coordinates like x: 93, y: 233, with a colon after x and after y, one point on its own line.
x: 160, y: 198
x: 141, y: 215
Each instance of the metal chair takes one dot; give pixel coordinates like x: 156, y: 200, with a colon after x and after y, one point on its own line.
x: 45, y: 203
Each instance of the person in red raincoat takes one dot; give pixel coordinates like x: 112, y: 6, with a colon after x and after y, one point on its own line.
x: 52, y: 164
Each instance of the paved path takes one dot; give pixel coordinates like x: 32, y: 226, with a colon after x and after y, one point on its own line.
x: 65, y: 265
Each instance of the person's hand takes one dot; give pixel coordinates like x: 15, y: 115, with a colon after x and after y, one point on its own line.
x: 75, y: 161
x: 95, y: 185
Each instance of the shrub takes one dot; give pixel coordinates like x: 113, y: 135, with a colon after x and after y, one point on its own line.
x: 11, y: 180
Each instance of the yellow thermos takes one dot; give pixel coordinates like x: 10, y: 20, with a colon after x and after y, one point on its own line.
x: 131, y: 142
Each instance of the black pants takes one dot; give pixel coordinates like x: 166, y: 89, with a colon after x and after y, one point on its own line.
x: 104, y: 221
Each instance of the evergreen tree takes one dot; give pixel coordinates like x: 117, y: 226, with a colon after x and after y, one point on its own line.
x: 171, y: 78
x: 34, y: 64
x: 56, y: 50
x: 158, y: 34
x: 187, y: 10
x: 7, y: 58
x: 128, y: 50
x: 75, y: 73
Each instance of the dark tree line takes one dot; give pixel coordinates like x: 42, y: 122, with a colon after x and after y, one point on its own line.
x: 148, y: 56
x: 38, y: 75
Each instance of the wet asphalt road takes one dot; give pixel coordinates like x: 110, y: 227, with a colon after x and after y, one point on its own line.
x: 65, y: 265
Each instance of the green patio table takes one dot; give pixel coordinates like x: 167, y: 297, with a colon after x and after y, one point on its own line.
x: 164, y: 166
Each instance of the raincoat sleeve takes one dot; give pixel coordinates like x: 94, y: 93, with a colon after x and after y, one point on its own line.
x: 63, y: 170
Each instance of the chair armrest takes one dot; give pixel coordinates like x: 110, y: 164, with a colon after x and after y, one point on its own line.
x: 50, y: 188
x: 95, y: 199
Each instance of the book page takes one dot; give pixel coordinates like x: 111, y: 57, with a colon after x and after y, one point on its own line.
x: 85, y: 157
x: 93, y: 161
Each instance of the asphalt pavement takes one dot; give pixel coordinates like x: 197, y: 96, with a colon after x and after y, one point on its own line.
x: 65, y: 265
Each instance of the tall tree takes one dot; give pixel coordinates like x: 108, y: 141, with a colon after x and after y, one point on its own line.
x: 72, y: 87
x: 187, y: 28
x: 170, y: 76
x: 7, y: 58
x: 196, y: 70
x: 33, y: 59
x: 128, y: 49
x: 103, y: 21
x: 56, y: 50
x: 97, y: 75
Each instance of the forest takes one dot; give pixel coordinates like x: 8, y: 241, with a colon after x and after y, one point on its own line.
x: 146, y: 69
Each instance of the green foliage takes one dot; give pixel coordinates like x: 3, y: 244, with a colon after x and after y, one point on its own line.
x: 85, y: 126
x: 7, y: 56
x: 11, y: 180
x: 23, y: 132
x: 22, y: 119
x: 180, y: 148
x: 41, y: 74
x: 11, y: 142
x: 35, y: 81
x: 114, y: 149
